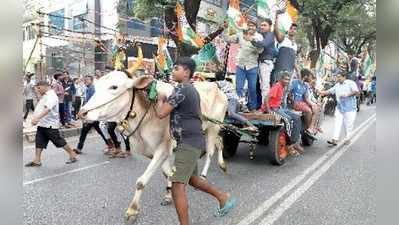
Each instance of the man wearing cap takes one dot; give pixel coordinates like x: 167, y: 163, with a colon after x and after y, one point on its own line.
x: 345, y: 91
x: 46, y: 117
x: 247, y: 63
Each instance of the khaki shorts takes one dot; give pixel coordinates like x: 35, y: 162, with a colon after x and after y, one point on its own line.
x: 185, y: 165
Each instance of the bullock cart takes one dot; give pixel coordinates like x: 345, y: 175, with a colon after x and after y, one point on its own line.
x: 270, y: 138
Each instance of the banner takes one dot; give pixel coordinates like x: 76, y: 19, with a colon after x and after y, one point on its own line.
x: 163, y: 61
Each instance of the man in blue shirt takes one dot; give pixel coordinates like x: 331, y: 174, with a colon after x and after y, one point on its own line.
x: 299, y: 93
x: 266, y: 57
x: 86, y: 127
x: 345, y: 91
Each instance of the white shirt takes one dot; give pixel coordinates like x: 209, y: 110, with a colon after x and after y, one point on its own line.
x: 288, y: 44
x: 48, y: 101
x: 80, y: 89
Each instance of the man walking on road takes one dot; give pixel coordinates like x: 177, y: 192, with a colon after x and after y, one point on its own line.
x: 46, y: 117
x: 59, y: 90
x: 345, y: 91
x: 185, y: 115
x: 89, y: 92
x: 29, y: 93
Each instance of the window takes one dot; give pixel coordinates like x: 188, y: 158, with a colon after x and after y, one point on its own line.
x: 57, y: 21
x: 135, y: 24
x: 79, y: 24
x: 28, y: 33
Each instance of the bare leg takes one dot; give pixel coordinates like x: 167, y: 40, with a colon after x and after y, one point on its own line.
x: 308, y: 120
x: 206, y: 187
x: 70, y: 152
x: 38, y: 155
x: 181, y: 203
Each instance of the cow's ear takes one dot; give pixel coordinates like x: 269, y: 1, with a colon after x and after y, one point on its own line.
x: 130, y: 83
x: 143, y: 81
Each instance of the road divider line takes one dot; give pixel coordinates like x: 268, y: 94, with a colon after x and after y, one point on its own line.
x: 64, y: 173
x: 293, y: 197
x: 254, y: 215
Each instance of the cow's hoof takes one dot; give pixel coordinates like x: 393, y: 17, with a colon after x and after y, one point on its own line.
x: 166, y: 201
x: 223, y: 167
x: 131, y: 216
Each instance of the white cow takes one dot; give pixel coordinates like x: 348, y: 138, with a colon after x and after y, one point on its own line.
x: 116, y: 92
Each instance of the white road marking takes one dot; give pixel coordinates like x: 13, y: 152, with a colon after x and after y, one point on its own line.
x: 254, y: 215
x: 64, y: 173
x: 292, y: 198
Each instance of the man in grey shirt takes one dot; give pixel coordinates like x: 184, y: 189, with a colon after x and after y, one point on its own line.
x: 247, y: 63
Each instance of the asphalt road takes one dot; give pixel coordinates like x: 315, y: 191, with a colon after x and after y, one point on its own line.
x: 322, y: 186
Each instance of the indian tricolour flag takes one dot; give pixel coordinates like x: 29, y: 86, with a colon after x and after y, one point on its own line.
x: 265, y: 8
x: 288, y: 17
x: 163, y: 61
x: 185, y: 33
x: 236, y: 20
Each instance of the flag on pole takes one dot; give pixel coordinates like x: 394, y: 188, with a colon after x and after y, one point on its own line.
x: 163, y: 61
x: 139, y: 62
x: 185, y: 33
x: 288, y: 17
x: 265, y: 8
x: 236, y: 20
x: 207, y: 54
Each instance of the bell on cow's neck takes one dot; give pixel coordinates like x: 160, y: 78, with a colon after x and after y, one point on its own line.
x: 120, y: 128
x: 132, y: 115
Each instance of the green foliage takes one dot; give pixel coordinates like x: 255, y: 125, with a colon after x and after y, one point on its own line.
x: 357, y: 28
x: 145, y: 9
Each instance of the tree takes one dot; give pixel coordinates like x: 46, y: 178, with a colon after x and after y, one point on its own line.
x: 320, y: 20
x: 357, y: 29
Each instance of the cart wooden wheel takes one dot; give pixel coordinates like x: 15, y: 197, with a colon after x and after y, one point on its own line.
x: 230, y: 143
x: 278, y: 146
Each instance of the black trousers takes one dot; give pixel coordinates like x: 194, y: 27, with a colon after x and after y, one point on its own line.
x: 85, y: 130
x: 62, y: 113
x: 76, y: 106
x: 29, y: 106
x: 111, y: 131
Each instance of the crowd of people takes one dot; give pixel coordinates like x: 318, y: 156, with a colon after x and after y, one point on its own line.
x: 267, y: 81
x: 57, y: 107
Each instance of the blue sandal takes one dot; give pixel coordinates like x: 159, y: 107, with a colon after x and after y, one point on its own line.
x: 229, y: 205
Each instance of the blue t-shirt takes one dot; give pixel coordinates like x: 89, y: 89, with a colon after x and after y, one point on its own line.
x: 298, y: 90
